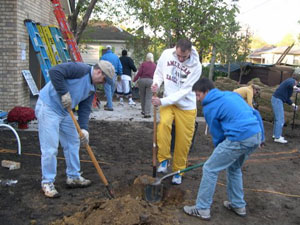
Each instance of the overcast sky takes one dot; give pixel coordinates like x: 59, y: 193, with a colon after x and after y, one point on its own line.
x: 270, y: 19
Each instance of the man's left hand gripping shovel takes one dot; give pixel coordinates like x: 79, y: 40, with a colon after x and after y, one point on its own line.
x: 92, y: 156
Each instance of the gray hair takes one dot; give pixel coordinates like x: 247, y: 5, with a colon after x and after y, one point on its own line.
x: 149, y: 57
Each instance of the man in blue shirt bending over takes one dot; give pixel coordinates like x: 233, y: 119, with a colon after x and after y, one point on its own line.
x: 237, y: 130
x: 71, y: 84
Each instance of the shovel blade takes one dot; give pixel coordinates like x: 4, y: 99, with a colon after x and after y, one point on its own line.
x: 153, y: 193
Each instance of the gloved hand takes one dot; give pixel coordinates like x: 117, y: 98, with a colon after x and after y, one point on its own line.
x: 119, y: 78
x: 66, y: 100
x: 154, y: 88
x: 295, y: 106
x: 85, y: 137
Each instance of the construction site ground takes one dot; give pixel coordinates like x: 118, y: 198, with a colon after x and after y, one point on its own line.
x: 123, y: 147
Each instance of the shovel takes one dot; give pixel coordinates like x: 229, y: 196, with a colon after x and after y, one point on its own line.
x: 154, y: 145
x: 154, y: 191
x: 92, y: 156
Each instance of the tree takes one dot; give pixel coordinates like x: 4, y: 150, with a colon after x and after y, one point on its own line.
x: 287, y: 40
x: 257, y: 42
x: 202, y: 21
x: 81, y: 12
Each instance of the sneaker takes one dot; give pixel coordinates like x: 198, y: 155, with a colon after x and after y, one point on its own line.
x: 280, y: 140
x: 108, y: 109
x: 131, y: 102
x: 49, y: 190
x: 177, y: 179
x: 78, y: 182
x: 238, y: 211
x: 201, y: 213
x: 163, y: 167
x: 274, y: 137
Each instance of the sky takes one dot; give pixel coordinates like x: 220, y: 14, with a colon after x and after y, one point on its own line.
x: 270, y: 19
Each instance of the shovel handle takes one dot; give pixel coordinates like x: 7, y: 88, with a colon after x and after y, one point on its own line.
x: 190, y: 168
x: 89, y: 150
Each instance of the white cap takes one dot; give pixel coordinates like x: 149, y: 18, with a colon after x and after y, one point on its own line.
x: 108, y: 47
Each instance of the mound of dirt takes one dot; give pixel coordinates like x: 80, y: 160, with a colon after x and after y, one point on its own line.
x: 128, y: 209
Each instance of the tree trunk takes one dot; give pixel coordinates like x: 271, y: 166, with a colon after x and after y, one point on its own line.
x: 212, y: 63
x: 72, y: 19
x: 228, y: 71
x: 241, y: 73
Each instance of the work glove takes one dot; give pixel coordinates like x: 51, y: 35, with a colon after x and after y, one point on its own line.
x: 85, y: 137
x: 66, y: 100
x: 295, y: 106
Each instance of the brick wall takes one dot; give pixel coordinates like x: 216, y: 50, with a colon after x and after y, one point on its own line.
x: 14, y: 90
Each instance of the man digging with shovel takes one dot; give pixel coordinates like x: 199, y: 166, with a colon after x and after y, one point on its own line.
x: 71, y: 84
x: 237, y: 130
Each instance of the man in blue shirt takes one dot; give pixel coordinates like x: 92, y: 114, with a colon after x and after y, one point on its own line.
x: 237, y: 130
x: 283, y: 95
x: 109, y: 88
x: 70, y: 84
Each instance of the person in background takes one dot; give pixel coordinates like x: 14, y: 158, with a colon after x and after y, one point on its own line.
x: 283, y: 95
x: 124, y: 82
x: 70, y: 84
x: 248, y: 93
x: 237, y: 130
x: 178, y: 68
x: 109, y: 89
x: 145, y: 79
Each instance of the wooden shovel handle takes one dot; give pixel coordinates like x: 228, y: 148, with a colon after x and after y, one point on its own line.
x: 89, y: 150
x: 154, y: 147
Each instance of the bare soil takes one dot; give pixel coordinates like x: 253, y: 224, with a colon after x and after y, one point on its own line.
x: 124, y: 151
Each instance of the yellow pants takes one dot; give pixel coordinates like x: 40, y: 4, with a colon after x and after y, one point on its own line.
x: 184, y: 131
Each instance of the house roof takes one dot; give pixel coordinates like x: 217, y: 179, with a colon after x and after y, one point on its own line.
x: 257, y: 52
x: 280, y: 50
x: 100, y: 31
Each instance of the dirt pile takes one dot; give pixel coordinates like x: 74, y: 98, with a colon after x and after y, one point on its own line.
x: 126, y: 210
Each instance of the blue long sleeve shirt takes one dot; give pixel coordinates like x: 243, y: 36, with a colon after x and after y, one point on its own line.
x: 285, y: 91
x: 114, y: 60
x: 229, y: 116
x: 73, y: 77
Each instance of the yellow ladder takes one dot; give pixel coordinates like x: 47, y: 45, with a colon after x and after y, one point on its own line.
x: 48, y: 35
x: 46, y: 44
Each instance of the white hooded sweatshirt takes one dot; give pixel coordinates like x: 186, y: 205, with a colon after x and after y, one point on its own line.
x: 178, y: 78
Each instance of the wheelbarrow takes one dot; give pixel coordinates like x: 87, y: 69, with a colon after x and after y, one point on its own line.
x: 154, y: 192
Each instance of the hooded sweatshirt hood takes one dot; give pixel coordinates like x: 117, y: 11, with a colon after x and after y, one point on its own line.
x: 229, y: 116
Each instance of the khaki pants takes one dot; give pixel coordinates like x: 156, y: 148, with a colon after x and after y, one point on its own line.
x: 184, y: 125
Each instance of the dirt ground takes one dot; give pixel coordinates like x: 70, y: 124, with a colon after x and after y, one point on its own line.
x: 124, y: 150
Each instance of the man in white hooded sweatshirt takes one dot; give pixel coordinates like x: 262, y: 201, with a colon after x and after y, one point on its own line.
x: 178, y: 68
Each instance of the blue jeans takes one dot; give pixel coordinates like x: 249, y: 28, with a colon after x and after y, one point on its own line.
x: 109, y: 91
x: 229, y: 155
x: 278, y: 110
x: 54, y: 128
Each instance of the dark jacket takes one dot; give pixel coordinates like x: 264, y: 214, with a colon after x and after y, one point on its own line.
x: 128, y: 65
x: 73, y: 77
x: 285, y: 91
